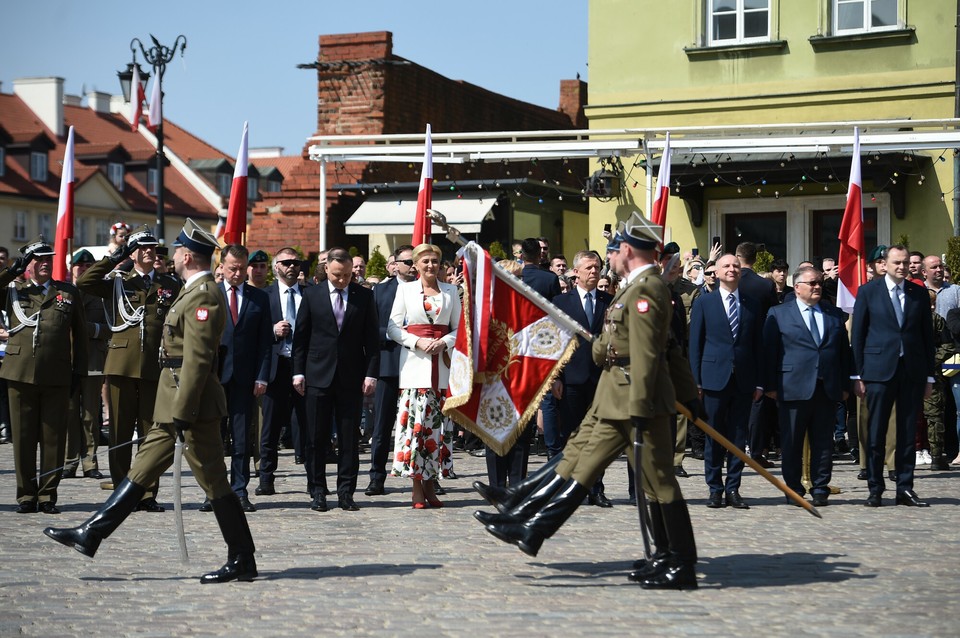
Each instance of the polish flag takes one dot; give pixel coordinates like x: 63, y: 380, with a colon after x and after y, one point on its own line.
x: 237, y: 211
x: 662, y: 193
x: 64, y: 236
x: 155, y: 116
x: 137, y: 97
x: 852, y: 267
x: 422, y: 228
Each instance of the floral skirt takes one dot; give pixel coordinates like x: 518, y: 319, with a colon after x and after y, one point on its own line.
x: 421, y: 448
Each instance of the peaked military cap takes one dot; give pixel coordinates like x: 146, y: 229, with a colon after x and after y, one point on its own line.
x: 39, y: 248
x: 196, y: 239
x: 614, y: 243
x: 82, y: 256
x: 143, y: 237
x: 641, y: 233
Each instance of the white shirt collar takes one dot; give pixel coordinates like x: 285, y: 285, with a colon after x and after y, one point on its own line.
x: 282, y: 288
x: 636, y: 272
x: 194, y: 277
x: 891, y: 283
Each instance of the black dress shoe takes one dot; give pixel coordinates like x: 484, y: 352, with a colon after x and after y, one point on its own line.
x: 763, y: 462
x: 299, y: 460
x: 892, y: 475
x: 247, y: 505
x: 873, y: 500
x: 862, y: 475
x: 265, y: 490
x: 206, y: 506
x: 375, y: 488
x: 906, y: 497
x: 715, y: 500
x: 319, y: 504
x: 734, y: 500
x: 69, y: 473
x: 679, y: 471
x: 438, y: 489
x: 346, y: 503
x: 674, y: 577
x: 940, y: 463
x: 49, y: 507
x: 94, y: 474
x: 599, y: 499
x: 644, y: 569
x: 149, y: 505
x: 27, y: 507
x: 241, y: 567
x: 819, y: 500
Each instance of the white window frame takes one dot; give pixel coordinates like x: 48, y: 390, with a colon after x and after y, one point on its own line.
x: 151, y: 181
x: 253, y: 188
x: 224, y: 182
x: 45, y: 226
x: 38, y: 166
x: 739, y: 11
x: 20, y: 225
x: 867, y: 15
x: 80, y: 231
x: 102, y: 237
x: 115, y: 174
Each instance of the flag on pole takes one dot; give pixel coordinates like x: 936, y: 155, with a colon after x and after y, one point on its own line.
x: 662, y: 193
x: 507, y: 354
x: 61, y: 244
x: 237, y: 211
x: 851, y: 265
x: 422, y: 228
x: 155, y: 117
x: 221, y: 226
x: 137, y: 97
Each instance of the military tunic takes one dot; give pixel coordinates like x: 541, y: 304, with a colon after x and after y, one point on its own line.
x: 83, y: 425
x: 39, y: 367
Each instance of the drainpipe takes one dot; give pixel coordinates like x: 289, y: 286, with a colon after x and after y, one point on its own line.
x: 956, y: 113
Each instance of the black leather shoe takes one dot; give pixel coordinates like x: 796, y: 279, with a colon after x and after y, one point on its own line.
x: 247, y: 505
x: 438, y: 489
x: 819, y: 500
x: 49, y: 507
x: 674, y: 577
x: 319, y: 504
x: 940, y: 463
x: 346, y: 503
x: 149, y: 505
x: 599, y: 499
x: 69, y: 473
x: 734, y: 500
x: 862, y: 475
x: 892, y: 475
x: 298, y: 460
x: 873, y: 500
x: 27, y: 507
x: 763, y: 462
x: 265, y: 490
x: 715, y: 500
x: 679, y: 471
x: 242, y: 567
x: 906, y: 497
x: 375, y: 488
x: 206, y: 506
x: 94, y: 474
x: 644, y: 569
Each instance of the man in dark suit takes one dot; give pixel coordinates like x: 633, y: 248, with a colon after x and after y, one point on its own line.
x: 893, y: 351
x: 336, y: 359
x: 245, y: 348
x: 725, y: 339
x: 388, y: 381
x: 807, y: 364
x: 280, y: 400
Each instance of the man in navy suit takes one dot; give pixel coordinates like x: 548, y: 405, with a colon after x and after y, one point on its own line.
x: 336, y: 360
x: 893, y: 351
x: 245, y: 347
x: 725, y: 340
x: 388, y: 381
x: 807, y: 365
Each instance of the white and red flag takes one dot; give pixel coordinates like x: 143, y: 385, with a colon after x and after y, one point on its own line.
x: 237, y: 211
x: 662, y: 193
x: 61, y: 244
x: 508, y: 352
x: 155, y: 116
x: 851, y: 263
x: 137, y: 96
x: 422, y: 228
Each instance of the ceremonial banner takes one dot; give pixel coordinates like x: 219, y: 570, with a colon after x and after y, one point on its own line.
x: 851, y: 265
x: 422, y: 228
x: 155, y: 116
x: 507, y: 355
x: 237, y: 211
x: 61, y: 244
x: 662, y: 192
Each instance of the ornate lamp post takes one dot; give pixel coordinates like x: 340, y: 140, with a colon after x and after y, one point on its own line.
x: 157, y: 56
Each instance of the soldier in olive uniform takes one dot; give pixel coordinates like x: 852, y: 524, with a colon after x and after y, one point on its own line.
x: 138, y: 301
x: 190, y: 404
x: 635, y: 397
x: 46, y: 356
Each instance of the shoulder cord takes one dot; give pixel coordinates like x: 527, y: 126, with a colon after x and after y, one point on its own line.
x: 129, y: 315
x: 33, y: 321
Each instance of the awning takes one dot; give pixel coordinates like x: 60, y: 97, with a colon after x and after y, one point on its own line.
x: 393, y: 215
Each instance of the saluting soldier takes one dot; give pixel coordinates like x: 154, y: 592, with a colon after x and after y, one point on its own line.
x: 190, y: 404
x: 138, y: 301
x: 46, y: 356
x: 635, y: 397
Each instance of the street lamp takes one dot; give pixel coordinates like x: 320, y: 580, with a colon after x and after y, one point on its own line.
x: 157, y: 56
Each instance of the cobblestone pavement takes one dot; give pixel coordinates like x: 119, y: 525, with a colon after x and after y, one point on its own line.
x: 390, y: 570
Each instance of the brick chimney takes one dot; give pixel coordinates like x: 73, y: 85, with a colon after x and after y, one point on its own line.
x: 43, y: 96
x: 573, y: 97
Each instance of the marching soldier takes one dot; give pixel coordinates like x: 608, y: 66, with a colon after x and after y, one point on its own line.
x: 190, y: 404
x: 635, y: 398
x: 138, y: 301
x: 46, y: 356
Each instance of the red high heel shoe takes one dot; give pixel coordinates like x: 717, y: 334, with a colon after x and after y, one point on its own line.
x: 419, y: 506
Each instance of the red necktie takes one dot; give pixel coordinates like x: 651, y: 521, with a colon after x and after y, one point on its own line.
x: 234, y: 312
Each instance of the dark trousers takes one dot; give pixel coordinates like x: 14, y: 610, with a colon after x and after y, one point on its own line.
x: 385, y: 418
x: 907, y: 395
x: 813, y: 417
x: 510, y: 468
x: 322, y: 405
x: 573, y: 408
x: 279, y: 402
x: 240, y: 405
x: 552, y: 425
x: 727, y: 411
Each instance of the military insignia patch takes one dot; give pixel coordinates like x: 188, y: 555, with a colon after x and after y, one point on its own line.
x: 643, y: 306
x: 202, y: 314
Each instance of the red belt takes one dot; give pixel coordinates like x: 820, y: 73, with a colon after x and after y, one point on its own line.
x: 431, y: 331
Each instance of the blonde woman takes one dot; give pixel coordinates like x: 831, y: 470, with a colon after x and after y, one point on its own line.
x: 424, y: 320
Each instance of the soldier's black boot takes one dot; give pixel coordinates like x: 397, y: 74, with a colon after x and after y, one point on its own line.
x: 507, y: 498
x: 86, y: 538
x: 526, y: 508
x: 680, y: 572
x: 543, y: 524
x: 643, y: 568
x: 233, y: 525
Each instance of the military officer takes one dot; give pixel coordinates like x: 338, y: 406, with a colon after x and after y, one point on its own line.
x: 138, y: 301
x: 46, y: 356
x: 190, y: 403
x: 83, y: 425
x: 635, y: 397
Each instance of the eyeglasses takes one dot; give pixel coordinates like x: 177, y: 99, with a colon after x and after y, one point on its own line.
x: 405, y: 262
x: 289, y: 262
x: 812, y: 284
x: 696, y: 267
x: 709, y: 273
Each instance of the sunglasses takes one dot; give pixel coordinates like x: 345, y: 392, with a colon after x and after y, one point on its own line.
x: 709, y: 273
x: 405, y: 262
x: 289, y: 262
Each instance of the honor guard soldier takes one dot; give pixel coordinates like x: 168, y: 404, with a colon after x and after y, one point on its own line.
x: 45, y: 359
x: 190, y: 404
x: 138, y: 301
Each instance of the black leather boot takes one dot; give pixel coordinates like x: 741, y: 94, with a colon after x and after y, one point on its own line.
x: 680, y: 572
x: 642, y: 568
x: 507, y: 498
x: 524, y: 510
x: 544, y: 523
x: 86, y: 538
x: 240, y: 549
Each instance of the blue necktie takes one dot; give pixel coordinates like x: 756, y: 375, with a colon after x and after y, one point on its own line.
x: 814, y: 330
x: 291, y: 318
x: 588, y: 308
x: 897, y: 308
x: 733, y: 316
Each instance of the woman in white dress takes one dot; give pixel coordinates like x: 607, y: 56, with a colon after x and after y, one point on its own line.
x: 424, y: 320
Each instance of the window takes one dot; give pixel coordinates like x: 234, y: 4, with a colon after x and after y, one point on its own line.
x: 3, y: 161
x: 38, y: 167
x: 738, y: 21
x: 273, y: 186
x: 115, y: 173
x: 224, y: 182
x: 20, y: 225
x: 45, y: 226
x: 151, y: 181
x: 253, y: 188
x: 859, y: 16
x: 80, y: 231
x: 103, y: 233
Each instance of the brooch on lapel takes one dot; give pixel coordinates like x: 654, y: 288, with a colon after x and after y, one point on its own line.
x: 164, y: 295
x: 61, y: 301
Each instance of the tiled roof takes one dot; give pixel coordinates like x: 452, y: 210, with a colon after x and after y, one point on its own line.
x: 284, y: 163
